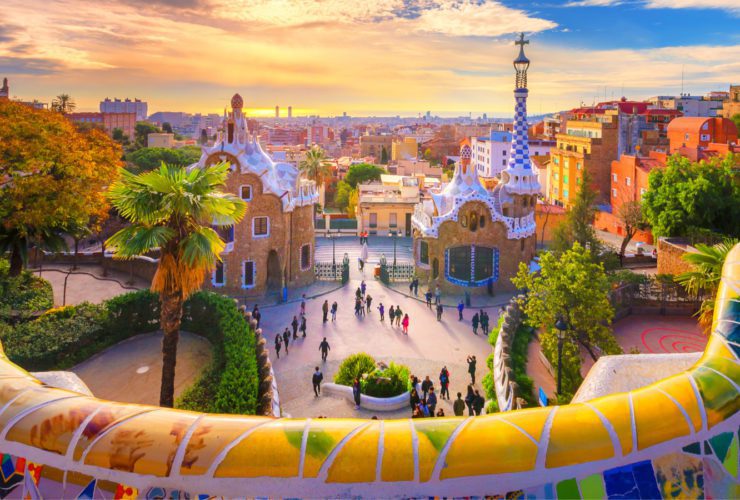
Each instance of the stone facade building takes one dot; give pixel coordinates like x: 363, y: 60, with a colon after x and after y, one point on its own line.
x: 273, y: 246
x: 467, y: 238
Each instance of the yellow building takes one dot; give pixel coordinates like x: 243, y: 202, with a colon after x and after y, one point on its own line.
x: 404, y: 149
x: 589, y: 142
x: 731, y: 106
x: 388, y: 205
x: 373, y: 145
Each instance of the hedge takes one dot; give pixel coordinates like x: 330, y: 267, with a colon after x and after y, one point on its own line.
x: 25, y: 293
x: 64, y: 337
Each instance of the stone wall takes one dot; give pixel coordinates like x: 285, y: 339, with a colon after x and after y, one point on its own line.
x: 507, y: 390
x: 670, y: 252
x: 268, y: 398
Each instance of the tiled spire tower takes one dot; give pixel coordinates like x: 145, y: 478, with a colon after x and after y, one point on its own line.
x: 519, y: 177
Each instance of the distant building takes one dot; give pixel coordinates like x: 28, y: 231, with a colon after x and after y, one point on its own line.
x: 177, y: 119
x: 490, y: 152
x: 277, y: 111
x: 5, y: 91
x: 416, y: 167
x: 285, y: 136
x: 690, y: 105
x: 731, y: 105
x: 290, y: 111
x: 136, y: 106
x: 404, y: 149
x: 160, y: 140
x: 700, y: 132
x: 108, y: 121
x: 320, y: 134
x: 273, y: 246
x: 387, y: 205
x: 373, y: 145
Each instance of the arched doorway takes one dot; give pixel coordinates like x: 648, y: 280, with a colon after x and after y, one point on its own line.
x: 274, y: 271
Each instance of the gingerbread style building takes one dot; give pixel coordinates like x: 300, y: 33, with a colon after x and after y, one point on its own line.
x: 273, y: 246
x: 467, y: 238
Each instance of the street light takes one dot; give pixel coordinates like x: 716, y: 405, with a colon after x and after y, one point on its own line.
x: 394, y: 236
x: 561, y: 325
x: 332, y: 237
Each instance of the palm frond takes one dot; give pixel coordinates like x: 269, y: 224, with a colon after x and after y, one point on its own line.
x: 137, y: 239
x: 201, y: 248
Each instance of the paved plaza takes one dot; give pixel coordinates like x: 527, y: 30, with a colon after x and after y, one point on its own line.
x: 429, y: 346
x: 376, y: 246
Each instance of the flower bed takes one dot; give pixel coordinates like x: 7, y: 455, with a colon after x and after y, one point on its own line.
x: 380, y: 382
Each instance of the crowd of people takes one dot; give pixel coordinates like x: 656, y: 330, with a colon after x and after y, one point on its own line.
x: 423, y: 398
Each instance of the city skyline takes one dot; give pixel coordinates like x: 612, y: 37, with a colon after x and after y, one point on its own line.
x: 388, y: 58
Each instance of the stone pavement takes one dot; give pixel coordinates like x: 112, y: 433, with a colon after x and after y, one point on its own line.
x: 476, y: 301
x: 429, y: 345
x: 82, y: 287
x: 131, y: 371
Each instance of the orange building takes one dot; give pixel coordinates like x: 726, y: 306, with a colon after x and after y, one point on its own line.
x: 700, y: 132
x: 108, y: 121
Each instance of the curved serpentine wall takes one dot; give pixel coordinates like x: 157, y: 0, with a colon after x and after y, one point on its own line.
x: 678, y: 437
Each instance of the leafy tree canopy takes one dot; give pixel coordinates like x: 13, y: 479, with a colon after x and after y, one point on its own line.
x: 687, y: 195
x: 342, y: 195
x: 53, y: 177
x: 145, y: 159
x: 363, y: 172
x: 572, y: 286
x: 141, y: 131
x: 578, y: 225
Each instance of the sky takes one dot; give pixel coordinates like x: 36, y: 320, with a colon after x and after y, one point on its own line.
x: 365, y: 57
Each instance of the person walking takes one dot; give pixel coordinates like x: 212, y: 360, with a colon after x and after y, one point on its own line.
x: 416, y: 287
x: 358, y: 293
x: 368, y: 302
x: 460, y: 308
x: 356, y: 393
x: 362, y: 306
x: 478, y: 403
x: 428, y: 296
x: 334, y: 307
x: 444, y: 383
x: 303, y: 305
x: 469, y: 398
x: 471, y: 368
x: 439, y: 312
x: 458, y: 407
x: 324, y: 348
x: 399, y: 315
x: 278, y: 344
x: 474, y: 322
x: 484, y: 322
x: 303, y: 326
x: 391, y: 314
x: 294, y: 324
x: 431, y: 400
x: 363, y: 287
x: 358, y: 305
x: 381, y: 310
x: 256, y: 314
x: 414, y: 400
x: 316, y: 380
x: 437, y: 295
x: 405, y: 324
x: 425, y: 386
x: 286, y: 340
x: 325, y: 311
x: 361, y: 264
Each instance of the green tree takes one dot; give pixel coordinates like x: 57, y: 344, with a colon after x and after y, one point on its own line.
x: 141, y: 132
x: 63, y: 103
x: 120, y: 137
x: 342, y: 195
x: 167, y: 128
x: 573, y: 287
x: 578, y: 224
x: 384, y: 156
x: 363, y: 172
x: 172, y: 210
x: 705, y: 276
x: 686, y: 196
x: 52, y: 176
x: 146, y: 159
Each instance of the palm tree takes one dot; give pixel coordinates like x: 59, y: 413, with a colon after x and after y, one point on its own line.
x: 63, y: 103
x: 705, y: 276
x: 173, y: 209
x: 316, y: 166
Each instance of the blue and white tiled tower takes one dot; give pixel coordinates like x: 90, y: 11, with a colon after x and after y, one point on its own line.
x: 519, y: 177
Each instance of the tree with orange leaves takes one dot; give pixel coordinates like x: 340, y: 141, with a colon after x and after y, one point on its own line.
x: 53, y: 179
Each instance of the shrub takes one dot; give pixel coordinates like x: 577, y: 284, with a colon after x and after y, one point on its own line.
x: 384, y: 383
x: 353, y: 367
x: 24, y: 293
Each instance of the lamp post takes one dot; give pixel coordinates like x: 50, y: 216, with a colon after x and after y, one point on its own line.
x: 332, y: 237
x: 393, y: 235
x: 562, y: 326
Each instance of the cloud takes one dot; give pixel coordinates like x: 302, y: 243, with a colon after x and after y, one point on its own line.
x: 730, y: 5
x: 9, y: 32
x: 593, y: 3
x: 29, y: 66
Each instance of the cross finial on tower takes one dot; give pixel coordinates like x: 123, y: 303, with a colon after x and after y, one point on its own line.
x: 521, y: 40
